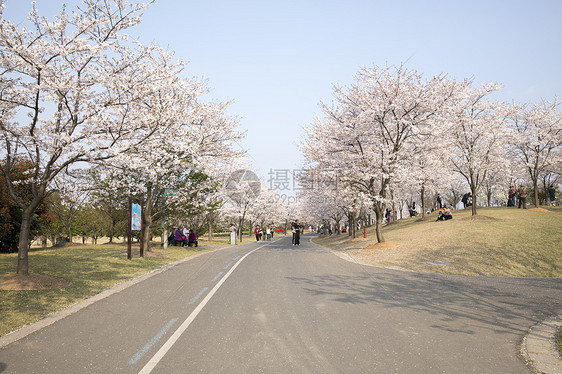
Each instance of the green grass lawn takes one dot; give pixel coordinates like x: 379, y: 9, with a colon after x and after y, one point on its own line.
x: 91, y: 269
x: 497, y: 242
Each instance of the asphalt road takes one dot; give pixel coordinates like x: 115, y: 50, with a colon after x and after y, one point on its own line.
x: 270, y: 307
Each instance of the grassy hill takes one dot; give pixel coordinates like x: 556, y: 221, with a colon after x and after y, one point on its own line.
x: 496, y: 242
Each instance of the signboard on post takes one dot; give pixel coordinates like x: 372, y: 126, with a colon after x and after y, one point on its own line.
x: 136, y: 217
x: 170, y: 192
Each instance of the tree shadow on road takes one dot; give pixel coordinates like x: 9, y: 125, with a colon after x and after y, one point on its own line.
x: 502, y: 305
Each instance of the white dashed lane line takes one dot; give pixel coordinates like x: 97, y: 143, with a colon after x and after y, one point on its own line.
x: 149, y: 345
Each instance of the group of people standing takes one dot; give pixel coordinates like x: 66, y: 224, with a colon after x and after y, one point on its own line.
x: 268, y: 231
x: 520, y: 195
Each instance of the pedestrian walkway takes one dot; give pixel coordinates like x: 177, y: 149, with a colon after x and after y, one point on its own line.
x: 539, y: 349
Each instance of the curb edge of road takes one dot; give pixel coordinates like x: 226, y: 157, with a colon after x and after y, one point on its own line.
x: 25, y: 330
x: 538, y: 347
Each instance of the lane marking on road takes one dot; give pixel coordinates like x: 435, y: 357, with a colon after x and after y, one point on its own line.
x: 151, y: 364
x: 153, y: 341
x: 192, y: 301
x: 217, y: 276
x: 227, y: 265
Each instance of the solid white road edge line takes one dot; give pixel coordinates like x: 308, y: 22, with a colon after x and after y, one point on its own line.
x: 176, y: 335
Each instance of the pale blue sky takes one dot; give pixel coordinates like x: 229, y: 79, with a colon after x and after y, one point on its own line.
x: 276, y: 60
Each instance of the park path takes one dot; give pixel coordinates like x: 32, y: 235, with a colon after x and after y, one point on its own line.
x: 275, y: 308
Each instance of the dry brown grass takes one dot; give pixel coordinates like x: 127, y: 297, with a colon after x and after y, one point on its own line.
x: 381, y: 246
x: 17, y: 282
x: 496, y: 242
x: 60, y: 277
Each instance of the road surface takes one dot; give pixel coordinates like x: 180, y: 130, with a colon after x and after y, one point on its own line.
x: 270, y: 307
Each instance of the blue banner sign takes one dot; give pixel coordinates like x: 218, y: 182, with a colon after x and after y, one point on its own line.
x: 135, y: 217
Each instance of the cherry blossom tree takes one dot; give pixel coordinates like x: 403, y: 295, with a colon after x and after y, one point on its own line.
x: 479, y: 137
x: 71, y: 192
x: 110, y: 203
x: 538, y: 140
x: 242, y: 190
x: 191, y: 140
x: 267, y: 208
x: 430, y: 170
x: 369, y: 137
x: 322, y: 200
x: 67, y: 90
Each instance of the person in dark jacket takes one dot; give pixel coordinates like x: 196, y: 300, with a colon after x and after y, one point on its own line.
x: 179, y: 238
x: 296, y: 228
x: 192, y: 239
x: 522, y: 193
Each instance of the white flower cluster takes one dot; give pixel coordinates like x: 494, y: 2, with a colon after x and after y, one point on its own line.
x: 392, y: 132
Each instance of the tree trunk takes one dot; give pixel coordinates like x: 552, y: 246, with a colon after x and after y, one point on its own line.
x: 353, y: 225
x: 23, y: 244
x: 393, y: 206
x: 164, y: 238
x: 69, y: 233
x: 210, y: 229
x: 378, y: 222
x: 422, y: 193
x: 147, y: 219
x: 473, y: 191
x: 536, y: 187
x: 112, y: 230
x: 241, y: 227
x: 545, y: 189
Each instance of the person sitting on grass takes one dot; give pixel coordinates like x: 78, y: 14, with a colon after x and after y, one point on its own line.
x: 171, y: 240
x: 445, y: 213
x: 179, y: 238
x: 192, y: 239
